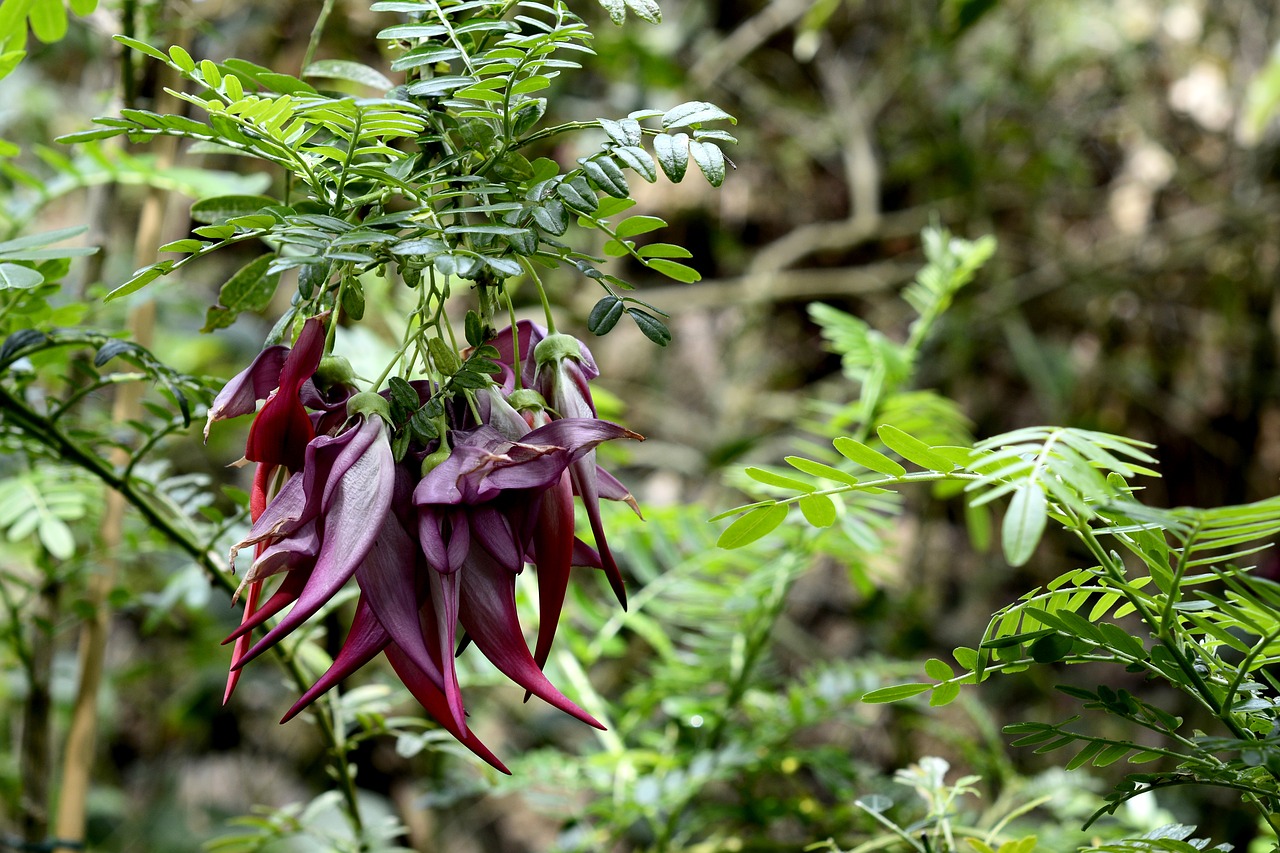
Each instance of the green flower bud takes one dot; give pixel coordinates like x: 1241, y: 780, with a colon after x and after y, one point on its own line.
x: 334, y: 370
x: 526, y: 400
x: 435, y: 457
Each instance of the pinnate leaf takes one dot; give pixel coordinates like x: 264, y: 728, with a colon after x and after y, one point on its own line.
x: 1024, y: 523
x: 819, y: 510
x: 754, y: 525
x: 913, y: 449
x: 868, y: 457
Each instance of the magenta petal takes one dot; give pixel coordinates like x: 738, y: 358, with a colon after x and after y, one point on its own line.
x: 388, y: 579
x: 282, y: 429
x: 357, y: 504
x: 297, y: 550
x: 242, y: 643
x: 586, y: 556
x: 493, y: 530
x: 366, y: 638
x: 529, y: 334
x: 287, y: 593
x: 433, y: 701
x: 612, y: 490
x: 441, y: 619
x: 583, y: 474
x: 281, y: 516
x: 487, y: 611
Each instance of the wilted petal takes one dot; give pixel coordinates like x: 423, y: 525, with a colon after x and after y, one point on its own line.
x: 241, y: 394
x: 487, y: 610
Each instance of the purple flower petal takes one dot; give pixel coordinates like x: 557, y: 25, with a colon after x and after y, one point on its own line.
x: 299, y: 549
x: 366, y: 638
x: 433, y: 701
x: 583, y: 475
x: 353, y: 509
x: 529, y: 334
x: 440, y: 628
x: 390, y: 582
x: 241, y: 394
x: 487, y: 610
x: 612, y: 490
x: 287, y: 593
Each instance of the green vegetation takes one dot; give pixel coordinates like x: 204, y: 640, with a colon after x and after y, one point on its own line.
x: 950, y: 332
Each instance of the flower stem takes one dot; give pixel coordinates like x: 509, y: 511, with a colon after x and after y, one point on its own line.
x: 542, y: 294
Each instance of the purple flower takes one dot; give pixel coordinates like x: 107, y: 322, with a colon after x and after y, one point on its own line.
x: 564, y: 367
x: 434, y: 542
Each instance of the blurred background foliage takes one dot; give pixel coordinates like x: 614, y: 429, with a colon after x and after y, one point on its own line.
x: 1121, y: 154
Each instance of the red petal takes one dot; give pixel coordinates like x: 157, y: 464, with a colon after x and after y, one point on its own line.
x: 433, y: 702
x: 553, y: 551
x: 366, y: 638
x: 488, y: 613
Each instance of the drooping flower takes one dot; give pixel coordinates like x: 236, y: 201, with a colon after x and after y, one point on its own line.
x: 434, y: 542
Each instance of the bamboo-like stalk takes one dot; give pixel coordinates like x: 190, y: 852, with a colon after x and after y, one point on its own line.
x: 35, y: 757
x: 77, y: 767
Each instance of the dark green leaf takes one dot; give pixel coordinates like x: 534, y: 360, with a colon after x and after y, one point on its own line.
x: 1050, y: 648
x: 695, y: 112
x: 111, y: 349
x: 605, y: 174
x: 710, y: 160
x: 604, y: 316
x: 220, y: 208
x: 651, y: 327
x: 673, y: 155
x: 354, y: 72
x: 249, y: 289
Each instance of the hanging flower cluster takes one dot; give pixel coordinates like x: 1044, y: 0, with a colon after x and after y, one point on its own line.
x: 432, y: 495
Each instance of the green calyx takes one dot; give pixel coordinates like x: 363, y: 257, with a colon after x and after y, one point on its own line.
x: 556, y: 348
x: 334, y: 370
x: 526, y: 400
x: 368, y: 403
